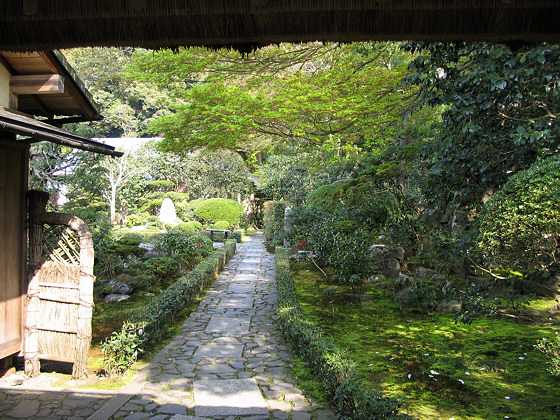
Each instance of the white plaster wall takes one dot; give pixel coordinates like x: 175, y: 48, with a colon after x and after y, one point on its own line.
x: 4, y: 87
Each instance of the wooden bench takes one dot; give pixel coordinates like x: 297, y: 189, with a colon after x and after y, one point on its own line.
x: 226, y: 233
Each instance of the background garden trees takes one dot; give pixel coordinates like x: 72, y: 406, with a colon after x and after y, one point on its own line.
x: 127, y: 105
x: 137, y: 182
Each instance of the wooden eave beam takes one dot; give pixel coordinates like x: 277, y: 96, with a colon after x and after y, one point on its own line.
x: 37, y: 84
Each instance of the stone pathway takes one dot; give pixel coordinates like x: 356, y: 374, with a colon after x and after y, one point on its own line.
x: 229, y: 361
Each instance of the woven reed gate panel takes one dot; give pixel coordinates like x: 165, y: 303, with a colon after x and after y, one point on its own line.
x: 60, y: 291
x: 59, y: 294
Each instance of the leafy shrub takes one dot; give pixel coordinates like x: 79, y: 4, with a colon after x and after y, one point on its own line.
x: 237, y: 235
x: 127, y: 251
x: 551, y: 350
x: 163, y: 268
x: 520, y: 225
x: 131, y: 239
x: 221, y: 224
x: 193, y: 204
x: 347, y: 253
x: 215, y: 209
x: 349, y: 392
x: 176, y: 196
x: 177, y: 242
x: 152, y: 207
x: 121, y: 349
x: 160, y: 185
x: 154, y: 221
x: 138, y: 219
x: 274, y: 221
x: 323, y: 197
x: 183, y: 210
x: 191, y: 226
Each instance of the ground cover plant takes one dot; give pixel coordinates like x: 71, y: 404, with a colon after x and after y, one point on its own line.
x: 489, y: 369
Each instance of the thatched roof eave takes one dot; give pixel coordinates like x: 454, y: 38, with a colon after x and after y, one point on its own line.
x: 244, y: 24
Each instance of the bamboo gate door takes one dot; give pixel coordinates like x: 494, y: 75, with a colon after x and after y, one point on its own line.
x: 60, y: 292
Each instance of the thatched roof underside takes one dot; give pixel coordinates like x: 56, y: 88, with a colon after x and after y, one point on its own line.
x: 242, y: 24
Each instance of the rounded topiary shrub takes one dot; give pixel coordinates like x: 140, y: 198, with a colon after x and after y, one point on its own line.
x: 216, y: 209
x: 519, y: 226
x: 221, y: 224
x: 191, y: 226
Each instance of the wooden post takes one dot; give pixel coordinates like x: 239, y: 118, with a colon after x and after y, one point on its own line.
x: 37, y: 203
x: 85, y: 311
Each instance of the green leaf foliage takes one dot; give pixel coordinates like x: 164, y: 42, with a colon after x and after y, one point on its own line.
x: 216, y: 209
x: 500, y: 113
x: 519, y: 227
x: 339, y: 97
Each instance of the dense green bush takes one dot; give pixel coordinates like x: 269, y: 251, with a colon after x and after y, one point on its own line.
x: 215, y: 209
x: 137, y: 219
x: 131, y: 239
x: 152, y: 207
x: 191, y: 226
x: 154, y: 221
x: 176, y: 196
x: 349, y: 392
x: 177, y: 242
x: 164, y: 268
x: 121, y: 350
x: 274, y: 221
x: 323, y: 197
x: 221, y: 224
x: 347, y: 252
x: 519, y: 226
x: 237, y: 235
x: 551, y: 349
x: 193, y: 204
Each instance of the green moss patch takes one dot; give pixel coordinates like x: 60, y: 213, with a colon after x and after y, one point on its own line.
x: 443, y: 370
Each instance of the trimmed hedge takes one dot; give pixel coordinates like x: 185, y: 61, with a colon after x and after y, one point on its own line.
x: 348, y: 391
x: 216, y: 209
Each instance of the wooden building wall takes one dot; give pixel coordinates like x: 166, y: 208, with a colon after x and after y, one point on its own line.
x: 13, y: 187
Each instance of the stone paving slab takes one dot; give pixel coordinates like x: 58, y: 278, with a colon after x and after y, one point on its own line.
x: 237, y: 302
x: 241, y: 288
x: 228, y: 325
x: 216, y: 351
x: 234, y: 397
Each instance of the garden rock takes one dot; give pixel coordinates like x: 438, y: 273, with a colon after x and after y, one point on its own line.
x: 391, y: 267
x: 390, y: 259
x: 450, y: 307
x: 424, y: 273
x: 167, y: 213
x: 113, y: 297
x: 118, y: 286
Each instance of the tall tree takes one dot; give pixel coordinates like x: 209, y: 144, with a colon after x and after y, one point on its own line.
x: 501, y: 109
x: 339, y: 97
x: 126, y: 104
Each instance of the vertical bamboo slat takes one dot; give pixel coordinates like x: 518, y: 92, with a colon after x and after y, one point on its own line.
x: 37, y: 203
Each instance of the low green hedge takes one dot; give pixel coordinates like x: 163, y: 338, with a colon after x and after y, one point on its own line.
x: 348, y: 391
x: 149, y: 326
